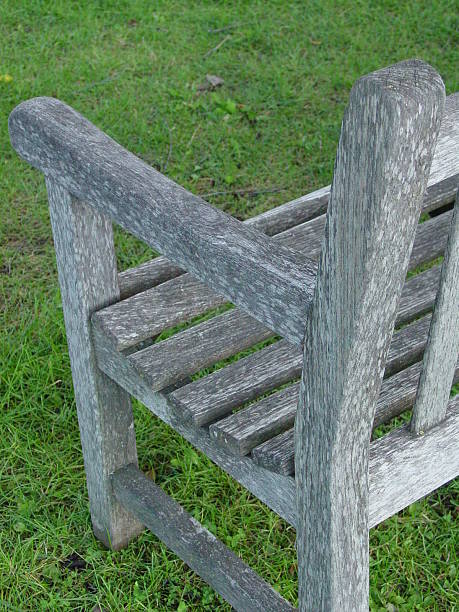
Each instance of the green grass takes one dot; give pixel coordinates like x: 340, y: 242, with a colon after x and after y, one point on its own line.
x: 134, y: 69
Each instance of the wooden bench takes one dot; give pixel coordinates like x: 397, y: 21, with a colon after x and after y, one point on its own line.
x: 317, y: 286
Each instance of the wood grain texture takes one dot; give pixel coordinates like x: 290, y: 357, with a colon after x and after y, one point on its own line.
x: 86, y: 265
x: 430, y: 241
x: 445, y: 161
x: 443, y: 343
x: 199, y: 548
x: 397, y: 395
x: 277, y: 492
x: 242, y: 431
x: 61, y: 143
x: 405, y: 467
x: 385, y: 151
x: 270, y: 282
x: 418, y: 295
x: 272, y: 222
x: 215, y: 395
x: 147, y: 314
x: 173, y: 360
x: 144, y: 315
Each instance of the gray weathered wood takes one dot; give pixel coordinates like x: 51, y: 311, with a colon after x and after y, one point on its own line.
x: 86, y: 264
x: 445, y: 161
x: 147, y: 275
x: 173, y: 360
x: 418, y: 295
x: 378, y: 184
x: 443, y: 193
x: 246, y: 268
x: 270, y: 282
x: 277, y: 492
x: 170, y: 361
x: 443, y: 343
x: 272, y: 222
x: 242, y: 431
x: 147, y: 314
x: 375, y: 202
x: 397, y: 395
x: 404, y: 467
x: 178, y: 357
x: 199, y: 548
x: 430, y: 241
x: 135, y: 319
x: 407, y: 346
x: 215, y: 395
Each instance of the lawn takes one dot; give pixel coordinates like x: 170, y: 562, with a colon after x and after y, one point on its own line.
x: 267, y: 135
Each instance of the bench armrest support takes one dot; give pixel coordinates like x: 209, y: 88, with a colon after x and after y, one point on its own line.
x: 270, y: 282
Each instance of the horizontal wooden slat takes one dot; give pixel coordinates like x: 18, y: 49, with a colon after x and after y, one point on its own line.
x: 166, y: 363
x: 126, y: 328
x: 136, y: 319
x: 397, y: 395
x: 418, y: 295
x: 404, y: 467
x: 198, y: 347
x: 147, y: 314
x: 275, y: 490
x: 407, y: 345
x: 430, y: 241
x: 194, y: 544
x: 440, y: 194
x: 214, y: 396
x: 245, y: 429
x: 242, y: 431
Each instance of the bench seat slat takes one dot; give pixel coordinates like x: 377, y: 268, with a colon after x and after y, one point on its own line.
x: 214, y: 396
x: 262, y: 420
x: 144, y: 315
x: 172, y: 360
x: 397, y: 395
x: 166, y: 363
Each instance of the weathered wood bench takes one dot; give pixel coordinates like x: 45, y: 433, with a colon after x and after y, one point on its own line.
x: 291, y: 421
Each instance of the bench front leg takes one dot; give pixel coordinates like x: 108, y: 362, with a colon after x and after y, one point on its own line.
x: 88, y: 280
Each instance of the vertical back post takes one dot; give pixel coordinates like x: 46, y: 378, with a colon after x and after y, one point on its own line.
x: 387, y: 141
x: 88, y: 280
x: 442, y: 348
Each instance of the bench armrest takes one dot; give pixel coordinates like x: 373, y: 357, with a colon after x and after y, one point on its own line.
x: 270, y: 282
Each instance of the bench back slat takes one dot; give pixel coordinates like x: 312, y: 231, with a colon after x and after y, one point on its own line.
x: 443, y: 343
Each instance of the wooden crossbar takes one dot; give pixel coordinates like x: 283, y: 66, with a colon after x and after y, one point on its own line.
x: 199, y: 548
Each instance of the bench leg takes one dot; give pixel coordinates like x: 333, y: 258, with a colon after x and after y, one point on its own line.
x: 88, y: 280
